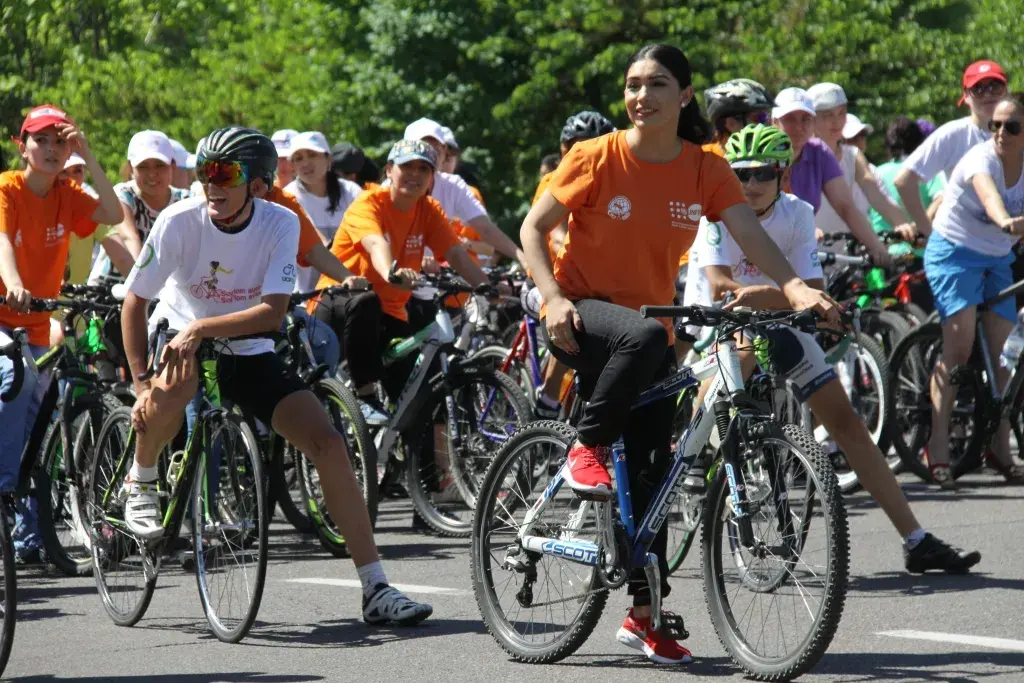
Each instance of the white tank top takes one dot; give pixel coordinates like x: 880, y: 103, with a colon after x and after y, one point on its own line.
x: 827, y: 219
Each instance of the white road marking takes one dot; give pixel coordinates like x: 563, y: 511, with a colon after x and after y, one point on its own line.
x: 404, y: 587
x: 980, y: 641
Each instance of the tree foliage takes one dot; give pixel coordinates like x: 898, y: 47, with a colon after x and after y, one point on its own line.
x: 503, y: 74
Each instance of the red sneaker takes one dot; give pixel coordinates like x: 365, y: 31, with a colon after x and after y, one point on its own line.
x: 659, y: 647
x: 587, y: 472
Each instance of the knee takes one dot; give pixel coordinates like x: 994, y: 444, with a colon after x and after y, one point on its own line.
x: 169, y: 397
x: 325, y: 444
x: 957, y: 351
x: 650, y: 335
x: 364, y: 306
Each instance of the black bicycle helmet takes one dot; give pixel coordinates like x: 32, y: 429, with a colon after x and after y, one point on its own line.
x: 738, y: 96
x: 245, y: 145
x: 585, y: 126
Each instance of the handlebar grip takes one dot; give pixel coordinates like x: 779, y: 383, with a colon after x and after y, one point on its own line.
x: 664, y: 311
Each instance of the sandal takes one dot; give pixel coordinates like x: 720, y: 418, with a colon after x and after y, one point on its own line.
x: 1013, y: 474
x: 940, y: 473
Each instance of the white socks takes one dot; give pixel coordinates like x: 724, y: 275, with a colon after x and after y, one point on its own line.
x: 371, y: 575
x: 146, y: 474
x: 915, y: 537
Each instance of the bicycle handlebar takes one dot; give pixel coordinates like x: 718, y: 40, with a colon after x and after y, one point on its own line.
x: 300, y: 297
x: 157, y: 347
x: 705, y: 316
x: 75, y: 305
x: 13, y: 350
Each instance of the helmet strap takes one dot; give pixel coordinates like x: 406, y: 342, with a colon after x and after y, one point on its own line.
x: 774, y: 201
x: 225, y: 224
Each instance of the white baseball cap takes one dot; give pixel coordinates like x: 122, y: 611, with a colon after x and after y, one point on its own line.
x: 449, y: 137
x: 311, y: 140
x: 74, y: 160
x: 150, y: 144
x: 180, y: 153
x: 282, y: 139
x: 425, y: 128
x: 190, y: 161
x: 854, y: 127
x: 826, y: 96
x: 791, y: 100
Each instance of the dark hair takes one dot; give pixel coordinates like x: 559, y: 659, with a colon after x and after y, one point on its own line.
x: 468, y: 171
x: 693, y: 127
x: 902, y: 137
x: 370, y: 173
x: 550, y: 161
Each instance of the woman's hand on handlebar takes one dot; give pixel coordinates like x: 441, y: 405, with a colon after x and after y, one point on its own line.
x: 758, y: 298
x: 562, y: 320
x: 1014, y: 226
x: 404, y: 278
x: 908, y: 231
x: 355, y: 282
x: 804, y: 298
x: 431, y: 266
x: 18, y: 299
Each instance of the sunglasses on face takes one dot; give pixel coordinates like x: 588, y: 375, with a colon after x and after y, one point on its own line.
x: 221, y: 173
x: 1011, y: 127
x: 987, y: 88
x: 751, y: 117
x: 761, y: 174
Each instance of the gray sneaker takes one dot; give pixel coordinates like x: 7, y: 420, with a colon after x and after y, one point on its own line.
x: 373, y: 415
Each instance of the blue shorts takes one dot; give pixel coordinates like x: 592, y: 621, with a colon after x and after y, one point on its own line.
x: 961, y: 277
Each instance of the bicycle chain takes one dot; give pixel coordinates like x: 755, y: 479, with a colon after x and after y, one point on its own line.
x: 571, y: 598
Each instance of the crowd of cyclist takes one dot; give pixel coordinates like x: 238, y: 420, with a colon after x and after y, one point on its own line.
x: 731, y: 204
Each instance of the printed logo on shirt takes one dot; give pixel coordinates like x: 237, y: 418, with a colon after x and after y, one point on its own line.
x: 413, y: 243
x: 714, y: 234
x: 54, y: 235
x: 147, y: 257
x: 815, y: 261
x: 288, y: 274
x: 17, y: 238
x: 695, y: 212
x: 208, y: 287
x: 619, y: 208
x: 746, y: 269
x: 684, y: 216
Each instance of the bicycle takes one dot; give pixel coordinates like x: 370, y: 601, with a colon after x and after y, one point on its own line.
x: 228, y: 507
x: 342, y: 407
x: 68, y: 421
x: 9, y: 599
x: 750, y: 481
x: 978, y: 407
x: 447, y: 419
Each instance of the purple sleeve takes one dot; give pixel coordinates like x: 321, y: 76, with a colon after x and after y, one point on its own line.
x: 829, y: 165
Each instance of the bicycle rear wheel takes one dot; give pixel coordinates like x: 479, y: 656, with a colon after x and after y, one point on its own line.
x: 286, y: 487
x: 446, y: 467
x: 343, y: 409
x: 124, y: 569
x: 9, y: 583
x: 539, y: 608
x: 229, y: 530
x: 798, y: 569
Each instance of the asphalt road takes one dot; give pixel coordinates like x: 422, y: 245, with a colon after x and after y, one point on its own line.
x: 309, y: 630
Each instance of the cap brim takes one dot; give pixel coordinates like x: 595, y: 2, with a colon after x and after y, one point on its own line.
x: 779, y: 112
x: 308, y: 148
x: 39, y: 124
x: 159, y: 157
x: 406, y: 158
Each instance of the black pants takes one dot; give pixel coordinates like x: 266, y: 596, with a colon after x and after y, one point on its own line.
x: 364, y: 331
x: 620, y: 355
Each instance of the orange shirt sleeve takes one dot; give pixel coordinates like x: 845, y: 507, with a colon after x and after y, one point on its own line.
x: 83, y: 206
x: 8, y: 222
x: 722, y: 188
x: 572, y: 183
x: 309, y: 236
x: 541, y: 186
x: 476, y: 193
x: 361, y: 219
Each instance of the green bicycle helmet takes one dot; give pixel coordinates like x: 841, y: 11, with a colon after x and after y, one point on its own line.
x: 759, y: 145
x: 245, y: 145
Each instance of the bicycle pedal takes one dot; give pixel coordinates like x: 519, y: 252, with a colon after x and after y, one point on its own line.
x: 672, y: 625
x: 593, y: 497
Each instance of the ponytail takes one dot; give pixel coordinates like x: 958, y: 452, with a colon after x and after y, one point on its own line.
x: 693, y: 127
x: 333, y: 191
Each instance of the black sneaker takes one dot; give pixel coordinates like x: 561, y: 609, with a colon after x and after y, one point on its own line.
x: 543, y: 412
x: 933, y: 553
x: 388, y: 604
x: 29, y: 558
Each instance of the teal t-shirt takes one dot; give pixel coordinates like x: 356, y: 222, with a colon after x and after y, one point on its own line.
x: 886, y: 173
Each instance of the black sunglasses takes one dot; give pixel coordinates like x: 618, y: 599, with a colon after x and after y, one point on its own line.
x: 992, y: 87
x: 761, y: 174
x: 1011, y: 127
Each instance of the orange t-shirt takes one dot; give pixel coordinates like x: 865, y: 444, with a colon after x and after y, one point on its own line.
x: 309, y: 236
x: 374, y: 213
x: 39, y: 229
x: 630, y: 221
x: 541, y: 186
x: 714, y: 148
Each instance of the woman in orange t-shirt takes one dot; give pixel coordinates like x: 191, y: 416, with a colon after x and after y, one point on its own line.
x: 633, y: 200
x: 38, y: 213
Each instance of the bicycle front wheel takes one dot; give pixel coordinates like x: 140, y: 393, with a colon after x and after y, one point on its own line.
x: 9, y: 599
x: 776, y: 605
x: 229, y: 529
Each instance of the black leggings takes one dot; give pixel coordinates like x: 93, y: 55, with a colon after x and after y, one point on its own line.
x: 364, y: 331
x: 620, y: 355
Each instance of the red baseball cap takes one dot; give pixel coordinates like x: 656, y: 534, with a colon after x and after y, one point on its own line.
x: 981, y: 70
x: 41, y: 117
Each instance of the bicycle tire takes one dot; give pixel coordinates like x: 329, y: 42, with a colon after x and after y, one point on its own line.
x: 283, y: 478
x: 113, y: 547
x: 716, y: 589
x: 911, y: 312
x: 910, y: 371
x: 56, y: 506
x: 344, y: 412
x: 518, y: 371
x: 232, y: 523
x: 886, y: 327
x: 9, y: 603
x: 481, y: 561
x: 422, y: 477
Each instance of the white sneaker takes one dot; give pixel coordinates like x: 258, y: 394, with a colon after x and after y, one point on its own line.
x: 142, y: 511
x: 387, y: 604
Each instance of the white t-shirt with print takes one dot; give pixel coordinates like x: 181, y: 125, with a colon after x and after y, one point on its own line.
x: 962, y: 218
x: 944, y: 148
x: 827, y: 219
x: 791, y: 227
x: 198, y: 271
x: 325, y: 220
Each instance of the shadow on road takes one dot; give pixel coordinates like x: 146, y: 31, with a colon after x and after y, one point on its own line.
x: 240, y: 677
x: 885, y: 584
x: 338, y: 633
x: 953, y: 667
